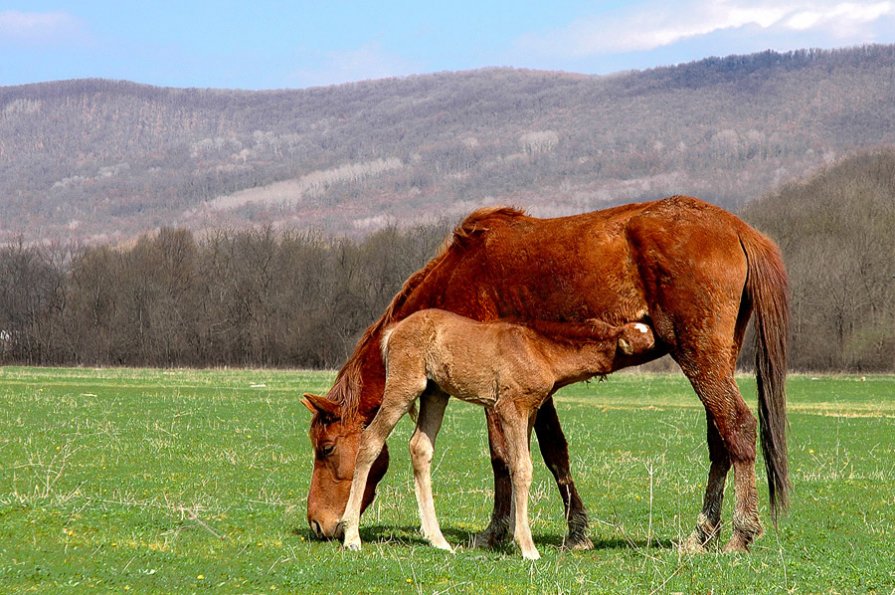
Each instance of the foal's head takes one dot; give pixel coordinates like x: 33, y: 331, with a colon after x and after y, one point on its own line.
x: 635, y: 338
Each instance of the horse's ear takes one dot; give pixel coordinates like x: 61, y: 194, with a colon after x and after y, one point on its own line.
x: 320, y: 405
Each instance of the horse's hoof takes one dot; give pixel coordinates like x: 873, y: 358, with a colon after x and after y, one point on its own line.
x: 532, y: 555
x: 693, y: 545
x: 736, y: 546
x: 578, y: 543
x: 489, y: 539
x: 353, y: 546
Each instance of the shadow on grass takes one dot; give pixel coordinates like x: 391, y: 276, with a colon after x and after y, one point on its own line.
x: 409, y: 535
x: 616, y: 543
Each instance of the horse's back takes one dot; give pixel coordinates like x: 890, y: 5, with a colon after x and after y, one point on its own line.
x: 649, y: 261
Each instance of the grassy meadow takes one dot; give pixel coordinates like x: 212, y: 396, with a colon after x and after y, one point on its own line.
x: 189, y: 481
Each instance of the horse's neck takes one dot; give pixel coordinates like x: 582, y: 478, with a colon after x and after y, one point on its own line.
x: 362, y: 380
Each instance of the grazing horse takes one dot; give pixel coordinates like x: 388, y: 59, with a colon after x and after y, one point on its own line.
x: 692, y: 271
x: 511, y: 369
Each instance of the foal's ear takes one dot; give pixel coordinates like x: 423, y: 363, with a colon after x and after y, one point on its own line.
x: 320, y: 405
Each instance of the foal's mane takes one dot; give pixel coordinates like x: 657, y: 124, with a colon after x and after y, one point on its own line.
x: 347, y: 389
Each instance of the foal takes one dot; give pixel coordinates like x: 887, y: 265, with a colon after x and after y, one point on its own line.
x: 512, y: 368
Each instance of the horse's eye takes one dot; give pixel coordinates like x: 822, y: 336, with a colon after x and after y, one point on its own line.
x: 326, y: 450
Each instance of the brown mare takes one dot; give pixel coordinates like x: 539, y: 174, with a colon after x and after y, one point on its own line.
x: 433, y: 354
x: 692, y: 271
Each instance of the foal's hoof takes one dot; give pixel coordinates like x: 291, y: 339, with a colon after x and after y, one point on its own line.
x: 353, y: 546
x: 532, y: 555
x: 443, y: 545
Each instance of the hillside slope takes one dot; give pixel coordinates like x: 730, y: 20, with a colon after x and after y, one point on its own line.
x: 835, y: 230
x: 103, y: 161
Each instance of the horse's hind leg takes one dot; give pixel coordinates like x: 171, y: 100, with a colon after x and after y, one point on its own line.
x: 735, y: 425
x: 708, y: 525
x: 422, y: 446
x: 555, y: 450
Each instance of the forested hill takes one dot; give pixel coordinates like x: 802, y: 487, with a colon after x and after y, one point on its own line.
x: 103, y: 161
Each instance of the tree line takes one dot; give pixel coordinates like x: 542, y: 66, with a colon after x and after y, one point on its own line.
x: 302, y: 299
x: 835, y: 230
x: 247, y: 298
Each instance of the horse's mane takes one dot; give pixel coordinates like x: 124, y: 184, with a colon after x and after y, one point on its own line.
x: 346, y: 390
x: 482, y: 220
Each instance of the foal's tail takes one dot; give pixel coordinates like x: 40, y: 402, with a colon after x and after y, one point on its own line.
x: 767, y: 288
x: 383, y: 344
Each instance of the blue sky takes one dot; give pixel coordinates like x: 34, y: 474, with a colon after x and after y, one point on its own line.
x: 266, y: 44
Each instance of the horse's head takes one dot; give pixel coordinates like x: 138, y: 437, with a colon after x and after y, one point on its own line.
x: 335, y: 441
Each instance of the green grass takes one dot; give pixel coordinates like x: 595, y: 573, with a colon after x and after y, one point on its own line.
x: 149, y: 480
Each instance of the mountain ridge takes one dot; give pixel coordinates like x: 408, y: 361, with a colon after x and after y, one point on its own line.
x: 98, y: 160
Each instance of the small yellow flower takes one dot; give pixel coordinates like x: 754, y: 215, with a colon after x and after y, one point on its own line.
x: 410, y: 581
x: 200, y: 577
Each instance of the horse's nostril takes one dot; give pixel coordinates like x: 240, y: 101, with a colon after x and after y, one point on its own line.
x: 315, y: 527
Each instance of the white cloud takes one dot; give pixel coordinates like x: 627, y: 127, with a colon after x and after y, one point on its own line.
x: 657, y: 24
x: 369, y: 61
x: 40, y: 27
x: 841, y: 20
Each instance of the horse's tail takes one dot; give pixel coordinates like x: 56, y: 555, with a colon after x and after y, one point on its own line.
x: 767, y: 288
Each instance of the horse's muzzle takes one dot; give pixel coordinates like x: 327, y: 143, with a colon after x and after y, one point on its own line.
x: 318, y: 531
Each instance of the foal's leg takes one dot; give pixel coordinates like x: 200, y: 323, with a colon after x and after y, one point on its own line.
x: 422, y: 445
x: 554, y: 449
x: 515, y: 425
x: 395, y: 403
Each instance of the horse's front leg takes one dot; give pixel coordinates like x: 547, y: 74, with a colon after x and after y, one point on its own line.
x: 498, y: 531
x: 555, y: 450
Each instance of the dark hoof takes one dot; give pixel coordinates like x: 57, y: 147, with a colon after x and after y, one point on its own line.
x: 577, y: 542
x: 490, y: 538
